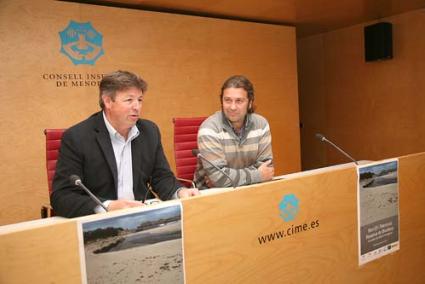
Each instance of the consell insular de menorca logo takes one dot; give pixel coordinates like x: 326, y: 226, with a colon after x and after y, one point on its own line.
x: 289, y: 207
x: 81, y: 43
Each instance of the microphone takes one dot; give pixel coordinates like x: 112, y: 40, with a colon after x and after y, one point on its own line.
x: 196, y: 153
x: 323, y: 139
x: 75, y: 180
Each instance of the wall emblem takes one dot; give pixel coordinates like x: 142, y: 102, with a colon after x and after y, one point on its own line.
x: 289, y: 207
x: 81, y: 43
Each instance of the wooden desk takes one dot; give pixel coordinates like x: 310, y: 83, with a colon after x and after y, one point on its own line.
x: 227, y: 235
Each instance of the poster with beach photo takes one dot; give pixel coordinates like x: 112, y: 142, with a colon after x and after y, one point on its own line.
x: 378, y: 210
x: 137, y: 247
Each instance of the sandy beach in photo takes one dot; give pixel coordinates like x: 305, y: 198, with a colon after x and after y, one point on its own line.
x: 378, y: 202
x: 160, y: 262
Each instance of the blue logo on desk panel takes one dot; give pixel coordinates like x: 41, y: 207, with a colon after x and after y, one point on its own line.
x: 81, y: 43
x: 289, y: 207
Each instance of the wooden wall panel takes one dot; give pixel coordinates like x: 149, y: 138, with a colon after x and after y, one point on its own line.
x: 373, y: 110
x: 184, y: 59
x: 312, y: 103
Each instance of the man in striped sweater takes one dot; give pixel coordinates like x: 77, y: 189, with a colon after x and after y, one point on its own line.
x: 235, y: 140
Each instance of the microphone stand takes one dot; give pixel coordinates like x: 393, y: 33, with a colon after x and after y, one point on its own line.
x: 323, y: 139
x: 77, y: 181
x: 196, y: 153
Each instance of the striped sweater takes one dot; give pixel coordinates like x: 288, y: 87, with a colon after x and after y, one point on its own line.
x: 238, y: 156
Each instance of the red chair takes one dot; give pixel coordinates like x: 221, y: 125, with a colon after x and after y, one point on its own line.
x: 53, y: 143
x: 185, y: 140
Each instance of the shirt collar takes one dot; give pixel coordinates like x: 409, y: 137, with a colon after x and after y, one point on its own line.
x: 246, y: 125
x: 132, y: 134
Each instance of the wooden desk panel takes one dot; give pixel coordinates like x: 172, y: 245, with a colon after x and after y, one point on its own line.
x: 222, y: 233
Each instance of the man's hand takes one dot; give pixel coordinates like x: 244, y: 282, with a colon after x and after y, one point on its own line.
x: 266, y: 170
x: 208, y: 182
x: 187, y: 192
x: 122, y: 203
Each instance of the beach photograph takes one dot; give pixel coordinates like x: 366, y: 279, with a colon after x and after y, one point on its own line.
x: 378, y: 192
x: 142, y: 247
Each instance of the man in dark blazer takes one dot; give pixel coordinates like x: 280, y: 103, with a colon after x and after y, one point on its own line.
x: 115, y: 153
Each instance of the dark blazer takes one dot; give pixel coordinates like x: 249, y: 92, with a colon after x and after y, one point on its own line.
x: 86, y: 151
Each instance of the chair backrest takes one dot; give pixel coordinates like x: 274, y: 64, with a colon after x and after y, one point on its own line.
x: 53, y: 143
x: 185, y: 140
